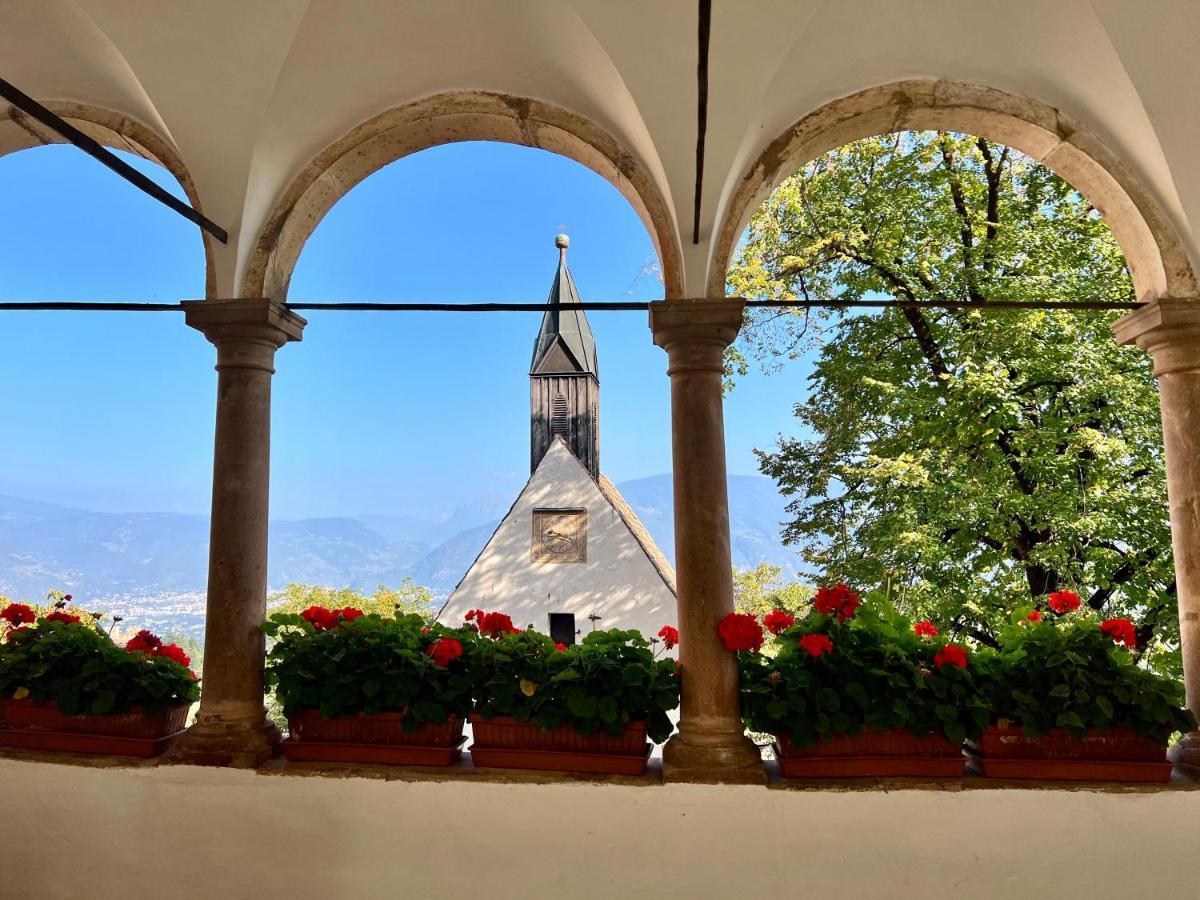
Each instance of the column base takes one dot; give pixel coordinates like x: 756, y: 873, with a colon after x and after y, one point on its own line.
x: 732, y: 760
x: 233, y: 744
x: 1186, y: 756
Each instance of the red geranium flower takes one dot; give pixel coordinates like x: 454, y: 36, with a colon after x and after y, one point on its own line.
x: 66, y: 598
x: 740, y: 631
x: 838, y: 600
x: 951, y: 655
x: 18, y: 613
x: 1034, y: 616
x: 445, y: 650
x: 174, y: 652
x: 60, y: 616
x: 1063, y: 601
x: 348, y: 613
x: 495, y: 624
x: 23, y: 630
x: 560, y: 647
x: 143, y: 642
x: 1121, y: 631
x: 669, y: 635
x: 777, y: 620
x: 925, y: 628
x: 320, y: 618
x: 816, y: 645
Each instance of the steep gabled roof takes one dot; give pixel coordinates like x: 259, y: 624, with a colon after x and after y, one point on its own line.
x: 565, y: 344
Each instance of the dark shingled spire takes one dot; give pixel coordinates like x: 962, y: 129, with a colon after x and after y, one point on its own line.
x: 565, y: 344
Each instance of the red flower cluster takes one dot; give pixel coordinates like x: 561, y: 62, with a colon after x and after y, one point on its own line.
x: 1121, y: 631
x: 152, y: 645
x: 816, y: 645
x: 925, y: 628
x: 777, y: 620
x: 144, y: 641
x: 493, y: 624
x: 445, y: 650
x: 951, y: 655
x: 560, y: 647
x: 838, y: 600
x: 1034, y: 616
x: 14, y: 635
x: 17, y: 614
x: 59, y: 616
x: 1063, y: 601
x: 325, y: 619
x: 669, y: 635
x: 740, y: 631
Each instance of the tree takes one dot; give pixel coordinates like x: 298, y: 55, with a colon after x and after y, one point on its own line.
x: 759, y: 590
x: 963, y: 460
x: 407, y: 598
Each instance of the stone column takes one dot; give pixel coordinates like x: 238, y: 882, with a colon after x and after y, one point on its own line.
x: 711, y: 745
x: 231, y: 728
x: 1169, y: 330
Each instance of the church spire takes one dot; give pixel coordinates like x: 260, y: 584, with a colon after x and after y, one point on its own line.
x: 564, y: 375
x: 565, y: 343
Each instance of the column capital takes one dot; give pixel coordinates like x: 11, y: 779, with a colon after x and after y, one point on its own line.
x: 704, y: 320
x: 252, y: 320
x: 1169, y: 330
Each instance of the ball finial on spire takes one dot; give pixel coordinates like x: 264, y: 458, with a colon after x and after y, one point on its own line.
x: 561, y: 241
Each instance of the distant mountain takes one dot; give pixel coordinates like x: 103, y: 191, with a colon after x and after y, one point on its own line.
x: 94, y: 554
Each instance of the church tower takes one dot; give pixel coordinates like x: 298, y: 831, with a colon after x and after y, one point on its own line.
x: 564, y: 379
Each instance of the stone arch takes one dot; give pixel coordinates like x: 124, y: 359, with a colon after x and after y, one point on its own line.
x: 1153, y: 250
x: 444, y: 119
x: 112, y: 129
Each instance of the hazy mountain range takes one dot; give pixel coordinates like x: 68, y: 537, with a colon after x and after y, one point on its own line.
x: 109, y: 555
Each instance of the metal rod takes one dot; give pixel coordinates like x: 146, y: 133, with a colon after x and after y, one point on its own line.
x: 703, y: 32
x: 73, y: 135
x: 589, y: 305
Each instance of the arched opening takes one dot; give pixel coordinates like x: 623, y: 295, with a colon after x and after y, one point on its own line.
x: 964, y: 459
x: 115, y: 131
x: 452, y: 396
x: 442, y: 119
x: 1157, y: 260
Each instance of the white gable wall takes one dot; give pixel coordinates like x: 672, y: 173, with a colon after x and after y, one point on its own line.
x: 618, y: 582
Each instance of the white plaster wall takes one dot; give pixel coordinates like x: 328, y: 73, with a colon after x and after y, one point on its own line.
x: 167, y: 832
x: 617, y: 582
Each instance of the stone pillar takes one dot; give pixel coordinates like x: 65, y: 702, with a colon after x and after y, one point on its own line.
x: 231, y: 728
x: 1169, y: 330
x: 711, y: 745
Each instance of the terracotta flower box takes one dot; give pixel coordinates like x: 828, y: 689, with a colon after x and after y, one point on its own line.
x: 380, y: 738
x: 1119, y: 754
x: 872, y: 755
x: 504, y: 742
x: 41, y: 726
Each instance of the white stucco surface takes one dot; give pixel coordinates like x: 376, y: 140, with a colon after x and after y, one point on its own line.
x: 617, y: 582
x: 74, y: 831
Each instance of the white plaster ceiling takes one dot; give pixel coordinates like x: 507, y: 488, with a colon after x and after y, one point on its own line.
x: 249, y: 91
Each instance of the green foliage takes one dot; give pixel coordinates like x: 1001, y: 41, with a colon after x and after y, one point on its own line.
x: 78, y: 667
x: 879, y: 676
x: 385, y: 601
x: 1065, y: 672
x: 964, y: 462
x: 370, y: 665
x: 759, y: 590
x: 598, y: 685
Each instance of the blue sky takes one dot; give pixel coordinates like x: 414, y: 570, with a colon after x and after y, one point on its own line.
x: 373, y: 412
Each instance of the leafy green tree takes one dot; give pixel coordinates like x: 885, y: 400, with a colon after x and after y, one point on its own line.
x: 759, y: 590
x: 407, y: 598
x: 963, y: 460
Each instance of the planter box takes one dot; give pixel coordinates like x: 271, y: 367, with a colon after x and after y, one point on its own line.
x: 40, y: 726
x: 1119, y: 754
x: 872, y: 755
x: 506, y: 743
x: 379, y: 738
